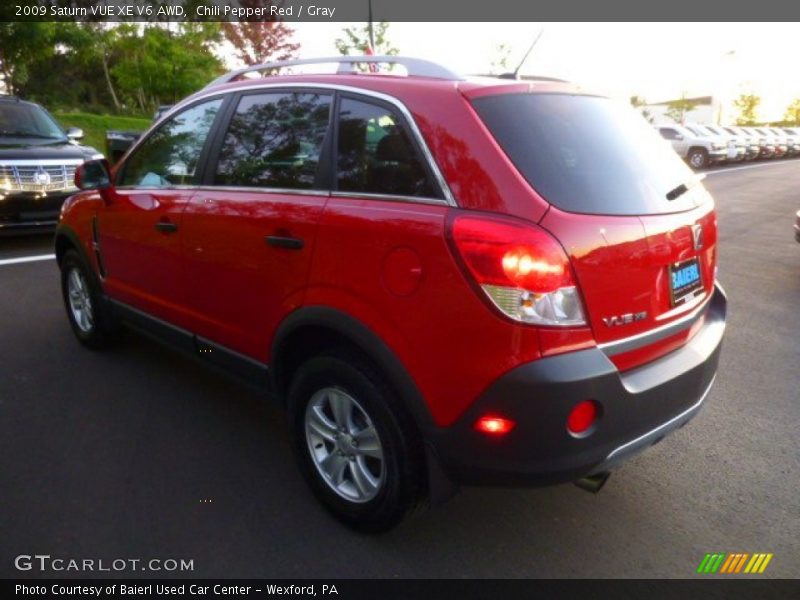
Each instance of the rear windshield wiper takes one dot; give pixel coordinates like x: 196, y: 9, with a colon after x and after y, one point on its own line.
x: 680, y: 190
x: 677, y: 192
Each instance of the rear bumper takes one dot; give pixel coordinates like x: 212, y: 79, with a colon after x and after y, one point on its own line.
x: 639, y: 407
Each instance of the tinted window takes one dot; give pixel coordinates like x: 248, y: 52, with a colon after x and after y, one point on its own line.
x: 587, y: 154
x: 274, y: 140
x: 669, y: 134
x: 376, y: 154
x: 169, y: 155
x: 27, y: 120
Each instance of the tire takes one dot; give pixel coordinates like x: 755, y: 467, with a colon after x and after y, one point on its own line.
x: 83, y: 299
x: 698, y: 158
x: 370, y: 486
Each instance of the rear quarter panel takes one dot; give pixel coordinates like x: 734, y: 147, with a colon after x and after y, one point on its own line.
x: 388, y: 265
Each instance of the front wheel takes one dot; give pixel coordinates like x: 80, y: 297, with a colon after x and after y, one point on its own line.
x: 355, y: 444
x: 83, y: 301
x: 698, y: 158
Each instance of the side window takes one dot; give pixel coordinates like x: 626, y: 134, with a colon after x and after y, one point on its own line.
x: 169, y: 155
x: 274, y: 140
x: 376, y: 154
x: 668, y: 134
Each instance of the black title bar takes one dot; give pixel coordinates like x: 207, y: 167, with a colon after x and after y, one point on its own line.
x: 298, y: 11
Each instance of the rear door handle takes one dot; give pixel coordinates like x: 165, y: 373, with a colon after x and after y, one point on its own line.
x: 279, y: 241
x: 166, y: 227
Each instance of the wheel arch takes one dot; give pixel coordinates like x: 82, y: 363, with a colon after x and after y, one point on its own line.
x: 65, y: 240
x: 310, y: 330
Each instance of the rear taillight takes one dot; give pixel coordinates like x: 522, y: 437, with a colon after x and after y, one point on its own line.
x: 520, y: 267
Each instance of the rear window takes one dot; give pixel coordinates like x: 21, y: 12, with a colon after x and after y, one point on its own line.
x: 587, y: 154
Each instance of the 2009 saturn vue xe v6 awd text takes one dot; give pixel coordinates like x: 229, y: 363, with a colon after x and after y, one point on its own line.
x: 445, y: 280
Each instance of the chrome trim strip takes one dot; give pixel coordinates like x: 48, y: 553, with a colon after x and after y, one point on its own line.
x: 655, y: 432
x: 262, y: 190
x: 390, y: 197
x: 653, y: 335
x: 698, y: 299
x: 289, y: 192
x: 151, y: 188
x: 299, y: 86
x: 45, y: 162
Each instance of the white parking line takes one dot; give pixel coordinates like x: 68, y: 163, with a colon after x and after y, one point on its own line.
x: 759, y: 166
x: 26, y: 259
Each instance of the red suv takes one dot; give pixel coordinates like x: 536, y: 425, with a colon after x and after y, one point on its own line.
x: 444, y: 280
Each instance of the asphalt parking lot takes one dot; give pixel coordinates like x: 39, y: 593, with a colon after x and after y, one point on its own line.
x: 139, y: 452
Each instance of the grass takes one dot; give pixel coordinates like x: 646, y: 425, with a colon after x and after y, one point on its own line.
x: 95, y: 126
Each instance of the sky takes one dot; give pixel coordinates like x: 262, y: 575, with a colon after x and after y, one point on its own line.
x: 659, y: 61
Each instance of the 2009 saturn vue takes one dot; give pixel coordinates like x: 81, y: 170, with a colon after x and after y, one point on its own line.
x: 445, y: 280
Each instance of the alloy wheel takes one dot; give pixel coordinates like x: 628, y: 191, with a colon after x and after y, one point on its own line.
x: 344, y: 445
x: 80, y: 301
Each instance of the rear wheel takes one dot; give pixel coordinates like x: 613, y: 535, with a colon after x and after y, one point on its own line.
x: 698, y: 158
x: 83, y: 301
x: 356, y: 446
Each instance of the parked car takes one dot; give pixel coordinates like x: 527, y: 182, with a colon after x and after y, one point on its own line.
x: 737, y: 148
x: 118, y: 142
x: 37, y: 165
x: 786, y: 140
x: 766, y: 143
x: 698, y: 149
x: 750, y: 141
x: 793, y: 134
x: 446, y: 281
x: 773, y: 139
x: 734, y: 152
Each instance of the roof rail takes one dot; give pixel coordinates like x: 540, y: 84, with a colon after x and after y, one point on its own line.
x: 416, y: 67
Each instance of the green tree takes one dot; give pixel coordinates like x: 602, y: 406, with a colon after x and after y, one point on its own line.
x: 748, y: 109
x: 678, y: 109
x: 159, y: 65
x: 86, y: 51
x: 355, y: 40
x: 21, y: 46
x: 792, y: 115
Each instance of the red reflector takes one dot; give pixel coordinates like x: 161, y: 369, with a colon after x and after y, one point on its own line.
x: 494, y: 425
x: 582, y: 417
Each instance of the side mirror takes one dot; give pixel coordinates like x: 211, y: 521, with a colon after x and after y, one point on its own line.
x: 93, y: 175
x: 75, y: 133
x: 678, y: 136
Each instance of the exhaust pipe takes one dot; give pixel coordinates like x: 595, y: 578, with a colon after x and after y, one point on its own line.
x: 593, y: 483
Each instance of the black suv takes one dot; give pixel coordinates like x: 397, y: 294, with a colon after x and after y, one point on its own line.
x: 37, y: 165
